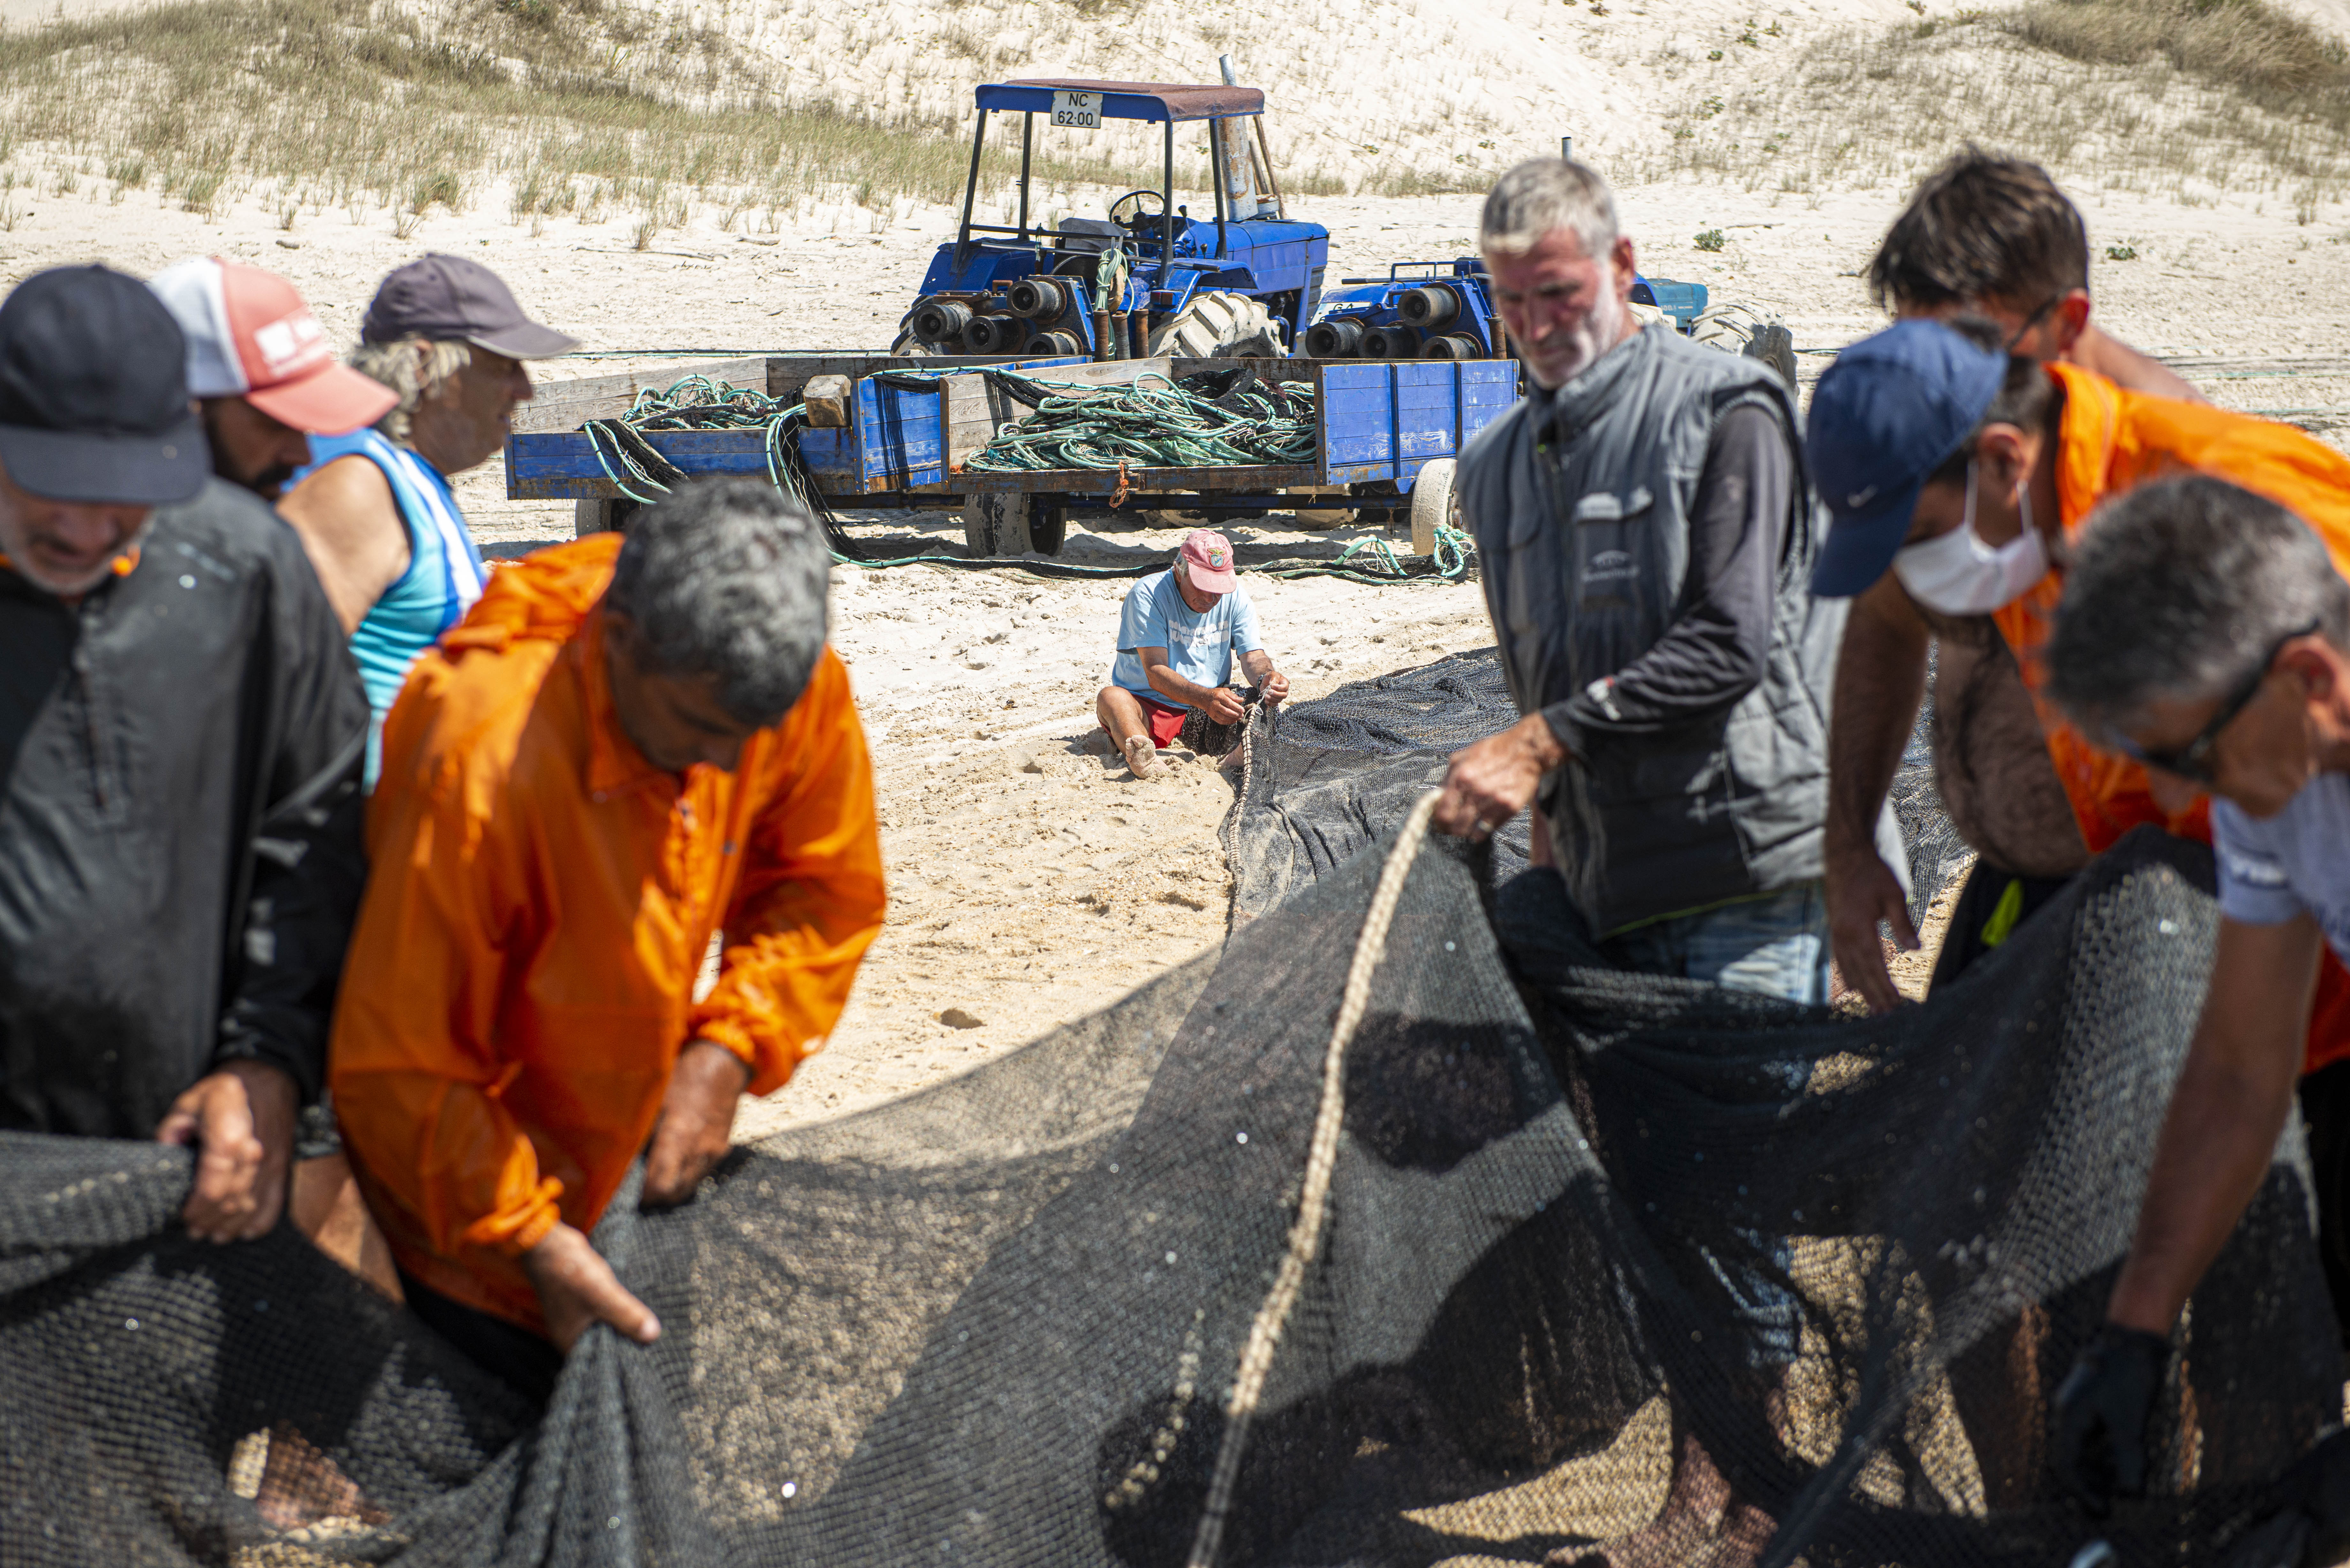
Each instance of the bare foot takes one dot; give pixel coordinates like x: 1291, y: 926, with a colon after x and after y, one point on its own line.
x: 1744, y: 1532
x: 301, y: 1486
x: 1672, y: 1539
x: 1685, y: 1530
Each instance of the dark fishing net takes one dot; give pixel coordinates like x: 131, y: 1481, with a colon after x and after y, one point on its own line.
x: 1338, y: 770
x: 1000, y: 1321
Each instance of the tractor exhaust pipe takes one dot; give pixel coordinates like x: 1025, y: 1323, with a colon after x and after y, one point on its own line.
x: 1453, y: 345
x: 1338, y: 338
x: 1393, y: 341
x: 1036, y: 297
x: 941, y: 324
x: 996, y: 334
x: 1430, y: 308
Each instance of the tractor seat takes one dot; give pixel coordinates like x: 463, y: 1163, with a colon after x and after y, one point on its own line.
x: 1087, y: 236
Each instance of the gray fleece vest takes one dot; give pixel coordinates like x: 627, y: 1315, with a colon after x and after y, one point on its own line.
x: 1580, y: 502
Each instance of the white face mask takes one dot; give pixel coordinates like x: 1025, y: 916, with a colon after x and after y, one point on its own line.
x: 1957, y: 574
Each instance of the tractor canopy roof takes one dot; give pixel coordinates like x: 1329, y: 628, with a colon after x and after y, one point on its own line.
x: 1128, y: 100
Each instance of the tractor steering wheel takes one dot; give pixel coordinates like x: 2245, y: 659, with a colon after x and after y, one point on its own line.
x: 1137, y: 217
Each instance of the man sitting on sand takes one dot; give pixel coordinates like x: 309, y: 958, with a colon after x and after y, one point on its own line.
x: 624, y: 749
x: 1175, y: 645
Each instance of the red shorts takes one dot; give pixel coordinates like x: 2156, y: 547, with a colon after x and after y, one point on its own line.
x: 1166, y: 723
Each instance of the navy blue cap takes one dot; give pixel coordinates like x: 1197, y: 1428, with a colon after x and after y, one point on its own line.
x: 1887, y: 413
x: 94, y: 392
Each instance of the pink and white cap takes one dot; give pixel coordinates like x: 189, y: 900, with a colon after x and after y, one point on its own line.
x: 1208, y: 554
x: 250, y: 336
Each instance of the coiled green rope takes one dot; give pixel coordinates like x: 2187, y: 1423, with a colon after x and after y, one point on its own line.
x: 1090, y: 429
x: 1153, y: 422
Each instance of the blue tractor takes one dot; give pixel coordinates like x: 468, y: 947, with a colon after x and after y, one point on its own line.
x: 1151, y: 278
x: 1444, y: 310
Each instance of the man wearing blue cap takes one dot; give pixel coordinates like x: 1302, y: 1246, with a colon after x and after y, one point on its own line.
x: 1959, y: 474
x: 181, y: 730
x: 1956, y: 473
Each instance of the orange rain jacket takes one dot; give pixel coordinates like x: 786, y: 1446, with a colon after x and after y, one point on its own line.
x: 2110, y: 440
x: 522, y: 976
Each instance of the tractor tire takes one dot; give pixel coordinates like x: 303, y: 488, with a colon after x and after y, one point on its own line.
x: 1756, y: 333
x: 1219, y: 325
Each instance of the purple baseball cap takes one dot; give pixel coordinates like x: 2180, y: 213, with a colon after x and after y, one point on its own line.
x: 450, y: 297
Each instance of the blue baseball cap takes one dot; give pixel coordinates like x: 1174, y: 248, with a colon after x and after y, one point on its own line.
x: 1887, y: 413
x: 94, y: 392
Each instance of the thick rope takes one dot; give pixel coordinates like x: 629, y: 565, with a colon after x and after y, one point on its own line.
x: 1314, y: 1201
x: 1154, y: 423
x: 1104, y: 428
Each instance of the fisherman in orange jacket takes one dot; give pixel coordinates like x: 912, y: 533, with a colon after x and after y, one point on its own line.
x: 623, y: 749
x: 1958, y: 473
x: 1959, y: 476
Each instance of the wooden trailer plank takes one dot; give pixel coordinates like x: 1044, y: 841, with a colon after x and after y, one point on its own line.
x: 568, y: 404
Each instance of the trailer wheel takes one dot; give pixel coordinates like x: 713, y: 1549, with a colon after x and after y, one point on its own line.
x: 1008, y: 522
x: 1048, y: 526
x: 1433, y: 502
x: 1219, y: 325
x: 1312, y: 516
x: 1756, y: 333
x: 597, y: 517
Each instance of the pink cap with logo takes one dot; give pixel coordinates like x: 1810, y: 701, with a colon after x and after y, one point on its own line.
x: 1209, y: 554
x: 250, y: 336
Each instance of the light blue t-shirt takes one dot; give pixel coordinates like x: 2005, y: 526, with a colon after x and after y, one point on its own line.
x: 2296, y: 861
x: 1199, y: 644
x: 445, y: 574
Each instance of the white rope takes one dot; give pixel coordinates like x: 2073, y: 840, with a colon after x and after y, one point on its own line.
x: 1313, y: 1203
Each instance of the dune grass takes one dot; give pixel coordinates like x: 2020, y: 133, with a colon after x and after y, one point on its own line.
x: 573, y: 106
x: 2191, y: 99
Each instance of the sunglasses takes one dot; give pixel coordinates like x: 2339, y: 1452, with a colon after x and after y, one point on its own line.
x: 2193, y: 760
x: 2034, y: 319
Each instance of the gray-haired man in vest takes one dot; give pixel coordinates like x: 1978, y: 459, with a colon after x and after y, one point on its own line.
x: 1646, y: 531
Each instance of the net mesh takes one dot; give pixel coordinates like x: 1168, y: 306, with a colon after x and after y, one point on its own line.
x: 998, y: 1322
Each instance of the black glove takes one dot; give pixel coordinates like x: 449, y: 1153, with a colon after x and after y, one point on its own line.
x: 2101, y: 1414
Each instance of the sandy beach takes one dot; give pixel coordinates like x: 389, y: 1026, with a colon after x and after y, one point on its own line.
x: 1032, y: 879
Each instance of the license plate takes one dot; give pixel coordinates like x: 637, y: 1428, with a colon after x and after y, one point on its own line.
x: 1081, y: 110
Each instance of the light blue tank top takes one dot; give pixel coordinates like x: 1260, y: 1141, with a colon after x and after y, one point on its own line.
x: 444, y: 575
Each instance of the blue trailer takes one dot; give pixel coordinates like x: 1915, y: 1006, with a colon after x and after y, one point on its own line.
x: 904, y: 434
